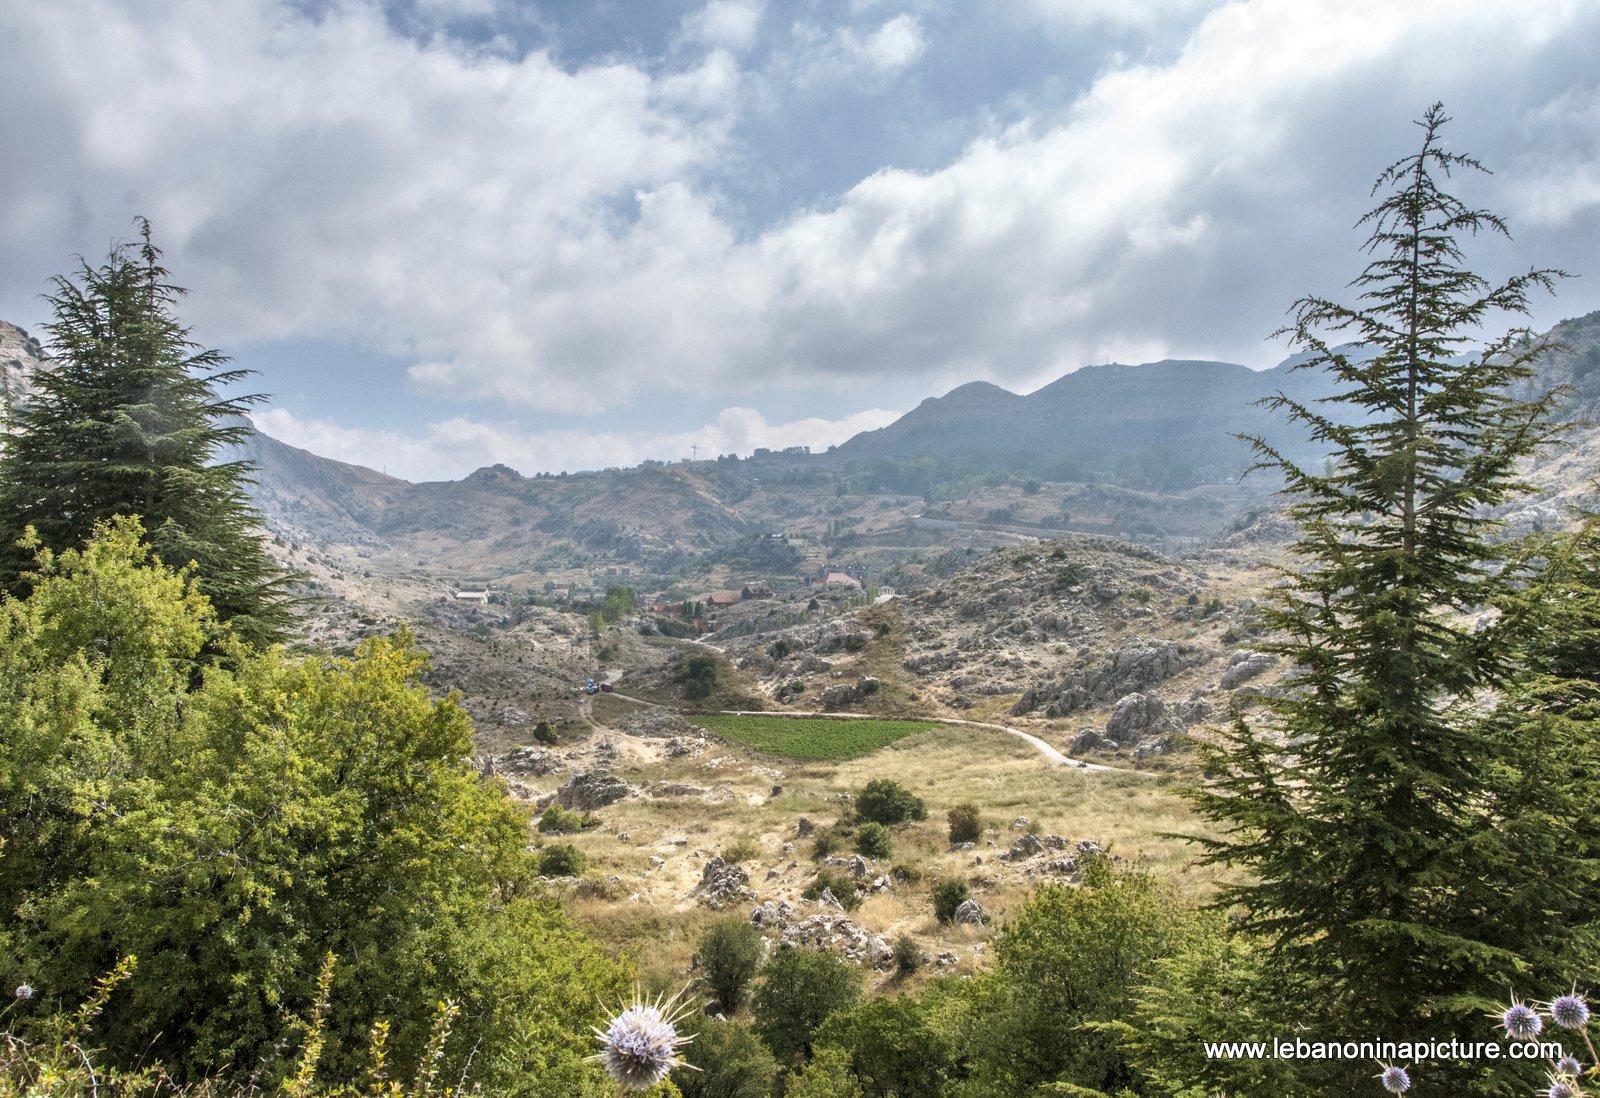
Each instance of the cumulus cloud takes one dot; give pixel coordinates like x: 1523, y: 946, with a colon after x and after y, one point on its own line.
x: 528, y: 231
x: 452, y: 448
x: 725, y: 23
x: 829, y: 55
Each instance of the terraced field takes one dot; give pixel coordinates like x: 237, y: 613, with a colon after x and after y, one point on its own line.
x: 810, y: 737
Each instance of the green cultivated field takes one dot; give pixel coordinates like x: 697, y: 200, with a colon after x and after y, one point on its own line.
x: 811, y: 737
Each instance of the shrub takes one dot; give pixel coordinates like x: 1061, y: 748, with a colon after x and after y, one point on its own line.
x: 842, y: 887
x: 1070, y: 576
x: 874, y: 841
x: 733, y: 1063
x: 825, y: 1075
x: 559, y: 821
x: 801, y: 989
x: 742, y: 849
x: 965, y: 827
x: 825, y: 843
x: 907, y: 955
x: 562, y: 860
x: 697, y: 677
x: 544, y: 733
x: 730, y: 953
x: 947, y: 896
x: 888, y: 802
x: 893, y: 1049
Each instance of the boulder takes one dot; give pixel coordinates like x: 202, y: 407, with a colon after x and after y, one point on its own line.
x: 592, y: 789
x: 1139, y: 716
x: 722, y: 883
x: 969, y: 912
x: 1245, y: 665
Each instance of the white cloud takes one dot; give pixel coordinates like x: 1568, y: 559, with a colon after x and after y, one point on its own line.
x: 533, y: 233
x: 452, y: 448
x: 830, y: 55
x: 1076, y: 15
x: 731, y: 24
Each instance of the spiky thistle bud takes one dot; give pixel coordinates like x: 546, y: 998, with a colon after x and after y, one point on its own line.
x: 1521, y: 1022
x: 640, y: 1046
x: 1570, y: 1012
x: 1394, y: 1079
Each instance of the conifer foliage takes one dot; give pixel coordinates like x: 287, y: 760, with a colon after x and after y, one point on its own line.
x: 130, y: 422
x: 1367, y: 804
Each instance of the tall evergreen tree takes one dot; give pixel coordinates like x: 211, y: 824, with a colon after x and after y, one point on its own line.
x: 1369, y: 803
x: 130, y: 422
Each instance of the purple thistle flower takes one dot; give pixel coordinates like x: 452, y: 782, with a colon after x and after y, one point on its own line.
x: 1561, y: 1088
x: 1521, y: 1022
x: 23, y: 992
x: 640, y: 1046
x: 1570, y: 1012
x: 1569, y: 1066
x: 1394, y: 1079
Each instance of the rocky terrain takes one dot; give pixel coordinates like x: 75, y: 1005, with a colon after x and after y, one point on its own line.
x: 20, y: 356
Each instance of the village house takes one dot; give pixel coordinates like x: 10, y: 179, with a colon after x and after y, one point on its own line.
x: 755, y: 591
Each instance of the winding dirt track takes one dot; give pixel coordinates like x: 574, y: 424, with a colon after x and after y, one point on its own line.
x: 1039, y: 745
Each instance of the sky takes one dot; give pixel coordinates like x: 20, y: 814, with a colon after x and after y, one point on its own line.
x: 572, y: 234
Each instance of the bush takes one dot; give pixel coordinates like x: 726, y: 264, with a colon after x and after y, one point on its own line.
x: 559, y: 821
x: 246, y: 820
x: 893, y: 1049
x: 826, y: 843
x: 730, y: 953
x: 888, y: 802
x: 801, y: 989
x: 742, y: 849
x: 825, y: 1075
x: 842, y: 887
x: 697, y: 677
x: 965, y: 827
x: 947, y: 896
x: 562, y: 860
x: 874, y: 841
x: 733, y: 1063
x: 907, y: 955
x: 544, y: 733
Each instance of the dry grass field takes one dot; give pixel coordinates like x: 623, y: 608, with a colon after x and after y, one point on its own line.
x: 648, y: 854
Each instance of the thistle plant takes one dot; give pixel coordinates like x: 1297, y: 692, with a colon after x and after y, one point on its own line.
x: 1521, y: 1021
x: 640, y: 1046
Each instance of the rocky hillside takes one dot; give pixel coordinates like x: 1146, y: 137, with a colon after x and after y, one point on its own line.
x: 1094, y: 643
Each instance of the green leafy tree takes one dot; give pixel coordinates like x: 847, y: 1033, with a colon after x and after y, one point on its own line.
x: 965, y: 825
x: 886, y: 801
x: 798, y: 991
x: 1066, y: 967
x: 620, y: 602
x: 1365, y: 805
x: 732, y: 1063
x: 129, y: 422
x: 730, y: 953
x: 229, y: 825
x: 827, y: 1075
x: 893, y: 1051
x: 697, y: 676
